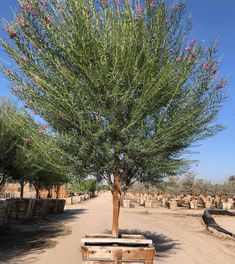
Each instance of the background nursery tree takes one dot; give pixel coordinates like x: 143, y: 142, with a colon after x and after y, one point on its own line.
x: 27, y: 152
x: 119, y: 82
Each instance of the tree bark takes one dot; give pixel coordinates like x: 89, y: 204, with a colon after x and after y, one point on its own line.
x: 116, y: 199
x: 22, y: 189
x: 37, y: 193
x: 49, y: 194
x: 116, y: 207
x: 57, y: 189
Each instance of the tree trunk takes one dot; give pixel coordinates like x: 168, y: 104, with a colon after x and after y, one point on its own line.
x: 116, y: 206
x: 21, y: 189
x: 57, y: 189
x: 37, y: 193
x: 49, y: 194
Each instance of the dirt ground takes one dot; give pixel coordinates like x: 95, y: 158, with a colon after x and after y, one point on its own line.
x: 179, y: 236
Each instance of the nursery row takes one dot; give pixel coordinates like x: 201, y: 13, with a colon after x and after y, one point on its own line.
x: 172, y: 202
x: 26, y: 209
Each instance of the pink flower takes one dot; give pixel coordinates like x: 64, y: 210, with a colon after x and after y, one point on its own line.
x: 192, y: 55
x: 139, y: 9
x: 221, y: 84
x: 178, y: 59
x: 13, y: 34
x: 206, y: 66
x: 25, y: 58
x: 215, y: 70
x: 152, y: 4
x: 193, y: 43
x: 188, y: 49
x: 44, y: 126
x: 35, y: 11
x: 43, y: 3
x: 177, y: 6
x: 48, y: 18
x: 29, y: 7
x: 15, y: 91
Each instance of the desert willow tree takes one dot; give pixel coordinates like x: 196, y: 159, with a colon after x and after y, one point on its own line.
x: 119, y: 81
x: 28, y: 153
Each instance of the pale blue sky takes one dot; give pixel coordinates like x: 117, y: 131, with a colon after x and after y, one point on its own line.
x: 211, y: 19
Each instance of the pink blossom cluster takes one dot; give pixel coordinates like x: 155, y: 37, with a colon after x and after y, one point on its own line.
x: 190, y: 49
x: 28, y: 6
x: 24, y: 58
x: 41, y: 130
x: 152, y: 4
x: 178, y: 59
x: 206, y: 65
x: 11, y: 31
x: 138, y: 9
x: 43, y: 4
x: 178, y: 6
x: 21, y: 21
x: 17, y: 90
x: 221, y: 84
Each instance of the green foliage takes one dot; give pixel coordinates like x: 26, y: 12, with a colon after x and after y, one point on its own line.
x: 83, y: 186
x: 121, y: 85
x: 27, y: 152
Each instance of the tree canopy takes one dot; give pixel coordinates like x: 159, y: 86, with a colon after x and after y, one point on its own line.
x: 116, y: 80
x: 119, y: 81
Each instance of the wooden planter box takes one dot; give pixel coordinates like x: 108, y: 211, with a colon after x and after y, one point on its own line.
x: 5, y: 210
x: 207, y: 204
x: 61, y: 204
x: 22, y: 209
x: 148, y: 203
x: 75, y: 199
x: 142, y: 201
x: 103, y: 249
x: 51, y: 206
x: 40, y: 207
x: 126, y: 203
x: 193, y: 205
x: 172, y: 205
x: 68, y: 201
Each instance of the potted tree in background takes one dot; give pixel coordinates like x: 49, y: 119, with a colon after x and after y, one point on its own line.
x: 119, y: 83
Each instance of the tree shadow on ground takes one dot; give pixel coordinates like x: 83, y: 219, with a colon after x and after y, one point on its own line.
x: 34, y: 236
x: 163, y: 245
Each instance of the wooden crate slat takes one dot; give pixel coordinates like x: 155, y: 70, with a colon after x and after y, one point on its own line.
x: 123, y: 241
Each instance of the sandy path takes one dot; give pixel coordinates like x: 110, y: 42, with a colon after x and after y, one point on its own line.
x: 180, y: 236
